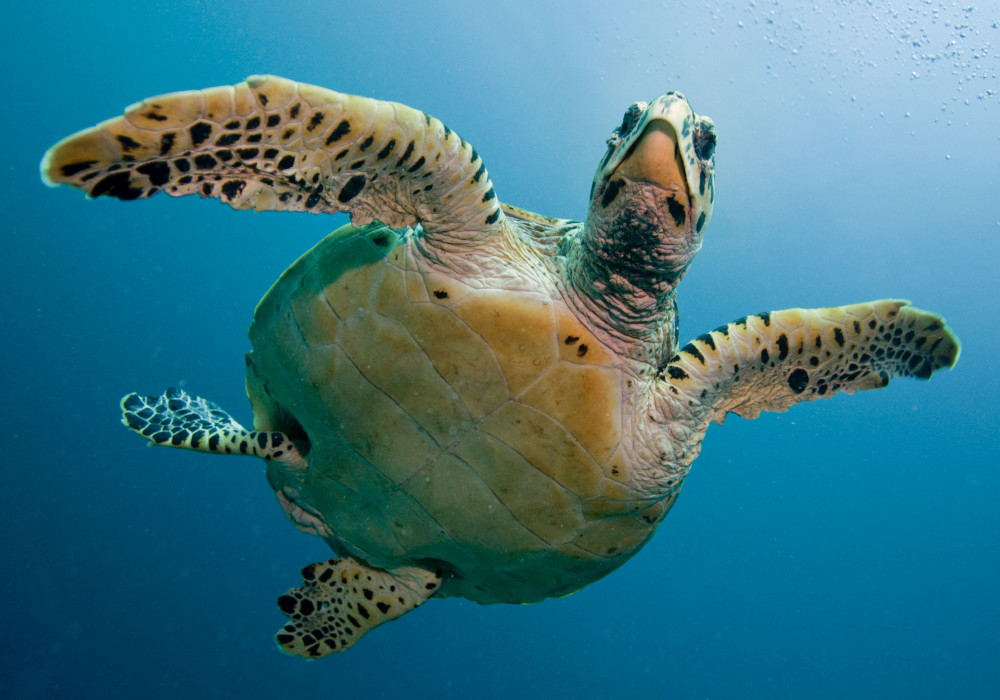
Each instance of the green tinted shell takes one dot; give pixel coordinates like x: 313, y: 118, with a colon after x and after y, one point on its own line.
x: 474, y: 429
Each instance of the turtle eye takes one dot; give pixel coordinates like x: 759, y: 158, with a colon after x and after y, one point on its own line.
x: 704, y: 138
x: 631, y: 117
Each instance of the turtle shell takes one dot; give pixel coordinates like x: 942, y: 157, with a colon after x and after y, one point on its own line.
x: 448, y: 424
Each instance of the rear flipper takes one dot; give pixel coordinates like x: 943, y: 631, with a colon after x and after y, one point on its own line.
x: 341, y: 600
x: 771, y: 361
x: 177, y: 419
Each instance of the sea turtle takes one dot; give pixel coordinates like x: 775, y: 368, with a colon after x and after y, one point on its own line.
x: 461, y: 397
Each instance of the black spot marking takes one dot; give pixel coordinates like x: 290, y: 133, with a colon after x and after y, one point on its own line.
x: 117, y: 185
x: 798, y: 380
x: 489, y: 195
x: 157, y: 171
x: 782, y: 347
x: 692, y: 350
x: 166, y: 143
x: 232, y: 190
x: 307, y: 607
x: 707, y: 339
x: 287, y: 604
x: 286, y: 162
x: 857, y: 328
x: 182, y: 164
x: 247, y: 153
x: 765, y: 356
x: 227, y: 139
x: 479, y: 173
x: 614, y: 187
x: 200, y: 133
x: 343, y: 128
x: 383, y: 607
x: 440, y: 294
x: 274, y: 120
x: 312, y: 200
x: 406, y: 154
x: 676, y: 372
x: 386, y: 150
x: 295, y: 110
x: 206, y: 190
x: 71, y: 169
x: 367, y: 142
x: 676, y: 211
x: 570, y: 339
x: 224, y: 155
x: 289, y: 133
x: 492, y: 218
x: 127, y: 143
x: 838, y: 335
x: 356, y: 164
x: 314, y: 121
x: 352, y: 188
x: 582, y: 350
x: 701, y: 223
x: 381, y: 240
x: 416, y: 166
x: 155, y: 117
x: 204, y: 161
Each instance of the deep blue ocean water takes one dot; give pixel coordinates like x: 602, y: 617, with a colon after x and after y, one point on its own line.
x: 847, y: 548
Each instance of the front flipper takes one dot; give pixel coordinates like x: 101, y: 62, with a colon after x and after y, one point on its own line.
x: 341, y: 600
x: 274, y: 144
x: 770, y: 361
x: 177, y: 419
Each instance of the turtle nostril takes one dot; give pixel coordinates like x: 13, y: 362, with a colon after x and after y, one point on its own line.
x: 704, y: 138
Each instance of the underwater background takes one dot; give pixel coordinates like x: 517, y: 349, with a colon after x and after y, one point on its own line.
x: 848, y: 548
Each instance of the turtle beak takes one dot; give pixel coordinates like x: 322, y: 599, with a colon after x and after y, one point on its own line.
x: 655, y: 158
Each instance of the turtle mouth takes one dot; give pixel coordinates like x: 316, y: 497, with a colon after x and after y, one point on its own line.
x: 654, y: 158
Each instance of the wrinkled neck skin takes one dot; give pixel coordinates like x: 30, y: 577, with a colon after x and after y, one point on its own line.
x: 623, y: 267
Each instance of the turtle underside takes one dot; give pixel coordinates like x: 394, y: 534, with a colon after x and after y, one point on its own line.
x: 465, y: 428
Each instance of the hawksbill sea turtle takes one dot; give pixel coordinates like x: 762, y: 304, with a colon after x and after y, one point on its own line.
x: 463, y: 398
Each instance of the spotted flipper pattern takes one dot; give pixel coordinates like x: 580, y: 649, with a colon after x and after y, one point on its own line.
x: 341, y: 600
x: 273, y: 144
x: 771, y: 361
x: 177, y: 419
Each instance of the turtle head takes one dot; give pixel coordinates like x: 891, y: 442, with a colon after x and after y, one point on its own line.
x: 651, y: 199
x: 661, y: 144
x: 653, y: 191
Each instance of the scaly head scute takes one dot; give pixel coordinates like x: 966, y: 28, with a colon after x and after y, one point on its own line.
x: 650, y: 201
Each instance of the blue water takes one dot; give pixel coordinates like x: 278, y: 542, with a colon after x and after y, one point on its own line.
x: 847, y: 548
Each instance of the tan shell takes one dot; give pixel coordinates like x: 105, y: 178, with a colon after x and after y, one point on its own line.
x: 478, y: 429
